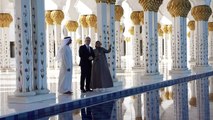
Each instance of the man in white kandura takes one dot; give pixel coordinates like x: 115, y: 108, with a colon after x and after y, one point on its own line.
x: 65, y: 76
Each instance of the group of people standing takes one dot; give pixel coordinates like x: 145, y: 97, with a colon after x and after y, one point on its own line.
x: 95, y: 73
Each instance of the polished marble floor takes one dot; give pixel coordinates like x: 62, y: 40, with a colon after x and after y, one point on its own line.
x: 7, y: 87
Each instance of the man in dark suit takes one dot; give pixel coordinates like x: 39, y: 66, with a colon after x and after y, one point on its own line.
x: 86, y: 56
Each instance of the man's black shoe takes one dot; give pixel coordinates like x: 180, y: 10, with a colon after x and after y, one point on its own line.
x: 89, y: 90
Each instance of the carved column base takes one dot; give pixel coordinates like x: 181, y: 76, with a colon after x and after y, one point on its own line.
x: 31, y: 99
x: 24, y: 94
x: 45, y: 91
x: 117, y: 83
x: 119, y: 70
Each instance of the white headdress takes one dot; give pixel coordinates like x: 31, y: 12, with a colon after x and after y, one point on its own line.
x: 60, y: 51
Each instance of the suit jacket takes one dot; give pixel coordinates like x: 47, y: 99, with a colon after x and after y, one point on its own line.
x: 84, y: 55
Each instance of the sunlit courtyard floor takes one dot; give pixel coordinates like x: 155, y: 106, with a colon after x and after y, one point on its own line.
x: 7, y: 87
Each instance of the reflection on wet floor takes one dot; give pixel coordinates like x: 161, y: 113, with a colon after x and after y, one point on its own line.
x: 105, y: 111
x: 129, y: 108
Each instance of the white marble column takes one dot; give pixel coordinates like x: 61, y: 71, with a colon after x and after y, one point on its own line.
x: 50, y: 41
x: 71, y: 27
x: 201, y: 14
x: 191, y: 25
x: 96, y: 34
x: 111, y: 39
x: 102, y: 24
x: 5, y: 42
x: 39, y: 47
x: 169, y: 48
x: 1, y: 48
x: 151, y: 70
x: 6, y: 49
x: 129, y: 49
x: 74, y: 48
x: 118, y: 15
x: 119, y: 109
x: 179, y: 56
x: 92, y: 21
x: 57, y: 17
x: 122, y: 39
x: 150, y: 43
x: 141, y: 17
x: 211, y: 89
x: 210, y: 57
x: 84, y: 26
x: 166, y: 39
x: 117, y: 43
x: 193, y: 100
x: 24, y: 57
x: 136, y: 41
x: 137, y: 104
x: 160, y: 43
x: 210, y: 43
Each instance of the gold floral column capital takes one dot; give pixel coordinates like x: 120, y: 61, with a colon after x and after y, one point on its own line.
x: 91, y: 20
x: 119, y: 11
x: 169, y: 27
x: 135, y: 17
x: 1, y: 19
x: 101, y: 1
x: 179, y: 8
x: 5, y: 19
x: 191, y: 25
x: 151, y: 5
x: 57, y: 16
x: 112, y: 1
x: 201, y: 12
x: 141, y: 17
x: 159, y: 26
x: 96, y: 28
x: 83, y: 21
x: 165, y: 29
x: 108, y: 1
x: 210, y: 26
x: 48, y: 18
x: 121, y: 28
x: 71, y: 26
x: 131, y: 30
x: 160, y: 32
x: 188, y: 34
